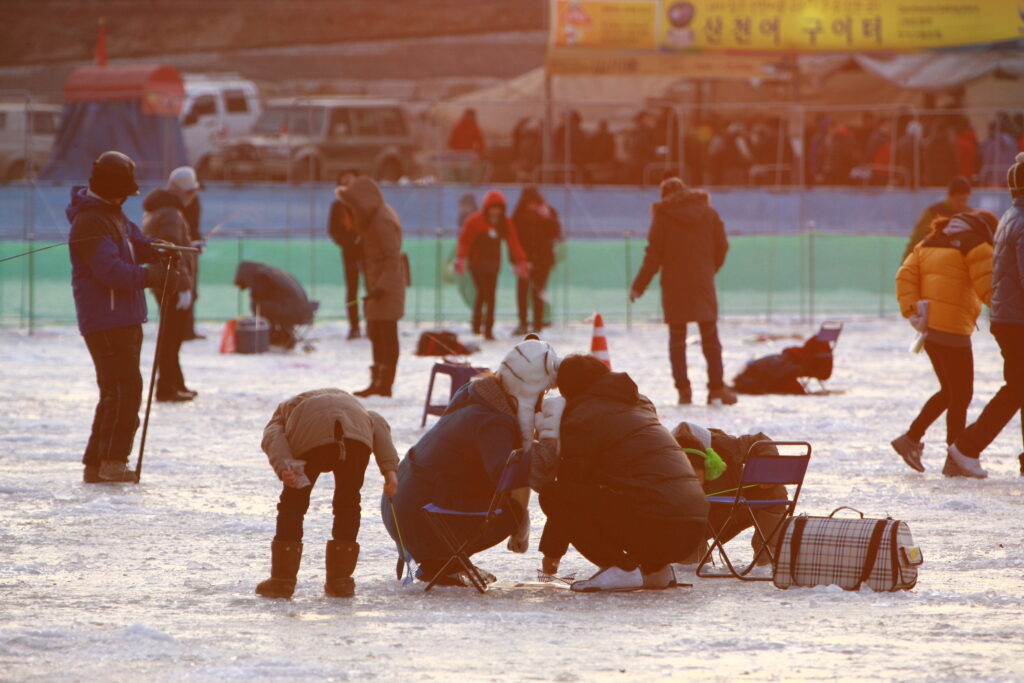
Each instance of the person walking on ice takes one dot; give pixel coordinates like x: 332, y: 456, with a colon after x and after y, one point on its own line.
x: 325, y: 430
x: 951, y: 270
x: 687, y: 244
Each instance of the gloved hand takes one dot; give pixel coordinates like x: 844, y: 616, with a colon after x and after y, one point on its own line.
x: 460, y: 266
x: 634, y: 295
x: 199, y: 244
x: 522, y: 270
x: 919, y: 322
x: 184, y: 300
x: 549, y: 420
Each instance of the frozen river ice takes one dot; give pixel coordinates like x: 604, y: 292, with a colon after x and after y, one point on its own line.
x: 155, y: 582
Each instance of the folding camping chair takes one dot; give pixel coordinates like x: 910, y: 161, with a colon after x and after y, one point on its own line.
x: 500, y: 504
x: 758, y: 467
x: 821, y: 360
x: 458, y: 373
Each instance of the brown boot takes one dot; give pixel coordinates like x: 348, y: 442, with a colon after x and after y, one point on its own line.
x: 115, y: 471
x: 341, y: 562
x: 285, y: 557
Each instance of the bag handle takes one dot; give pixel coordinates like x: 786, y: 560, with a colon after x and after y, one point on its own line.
x: 873, y: 545
x: 846, y: 508
x: 794, y: 552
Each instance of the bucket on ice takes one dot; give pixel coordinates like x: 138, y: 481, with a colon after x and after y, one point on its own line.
x: 252, y: 335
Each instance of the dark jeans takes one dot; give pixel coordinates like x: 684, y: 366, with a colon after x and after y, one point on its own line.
x: 537, y: 281
x: 607, y: 530
x: 174, y: 325
x: 485, y: 280
x: 954, y: 367
x: 1007, y: 401
x: 712, y: 353
x: 383, y: 336
x: 348, y: 480
x: 115, y: 353
x: 350, y: 261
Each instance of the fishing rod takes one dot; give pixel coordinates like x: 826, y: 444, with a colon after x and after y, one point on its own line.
x: 51, y: 246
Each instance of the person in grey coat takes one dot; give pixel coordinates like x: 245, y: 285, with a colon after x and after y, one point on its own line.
x: 687, y: 245
x: 1007, y: 326
x: 386, y: 272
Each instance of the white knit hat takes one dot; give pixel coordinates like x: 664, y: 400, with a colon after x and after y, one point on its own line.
x: 184, y: 178
x: 1015, y: 174
x: 526, y: 372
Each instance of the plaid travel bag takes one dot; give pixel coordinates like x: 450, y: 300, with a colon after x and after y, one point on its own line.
x: 827, y: 551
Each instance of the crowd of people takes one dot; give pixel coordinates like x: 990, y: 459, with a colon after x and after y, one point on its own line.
x: 836, y: 149
x: 612, y: 481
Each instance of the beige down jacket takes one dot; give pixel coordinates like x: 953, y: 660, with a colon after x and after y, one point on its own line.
x: 311, y: 419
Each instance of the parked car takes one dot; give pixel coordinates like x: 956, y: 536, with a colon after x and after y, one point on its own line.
x: 311, y: 139
x: 217, y: 107
x: 27, y: 132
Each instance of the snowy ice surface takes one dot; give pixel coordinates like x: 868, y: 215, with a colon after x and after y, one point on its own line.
x: 155, y: 582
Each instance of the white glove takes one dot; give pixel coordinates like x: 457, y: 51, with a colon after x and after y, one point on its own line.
x: 549, y: 420
x: 184, y: 300
x: 919, y: 323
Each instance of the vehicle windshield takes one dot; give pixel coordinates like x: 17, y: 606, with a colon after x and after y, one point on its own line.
x: 297, y: 120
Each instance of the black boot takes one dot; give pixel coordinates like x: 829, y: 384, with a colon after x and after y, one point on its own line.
x: 284, y: 567
x: 341, y: 562
x: 115, y: 471
x: 374, y: 379
x: 385, y: 378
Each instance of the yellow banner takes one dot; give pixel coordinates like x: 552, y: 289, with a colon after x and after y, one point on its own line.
x: 835, y: 25
x: 771, y: 26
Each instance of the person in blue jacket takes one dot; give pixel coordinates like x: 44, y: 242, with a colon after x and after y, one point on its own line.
x: 109, y: 284
x: 457, y: 464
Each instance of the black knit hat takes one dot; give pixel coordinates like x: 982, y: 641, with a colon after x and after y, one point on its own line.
x: 113, y: 176
x: 959, y: 185
x: 1015, y: 174
x: 576, y: 374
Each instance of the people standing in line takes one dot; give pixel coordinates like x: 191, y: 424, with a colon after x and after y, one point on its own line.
x: 625, y: 496
x: 480, y: 246
x: 1007, y: 326
x: 319, y: 431
x: 351, y: 252
x: 110, y: 303
x: 386, y: 271
x: 956, y: 201
x: 539, y: 230
x: 951, y: 270
x: 687, y: 244
x: 164, y: 219
x: 193, y: 216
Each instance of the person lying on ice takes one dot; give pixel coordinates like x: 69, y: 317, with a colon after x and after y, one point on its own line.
x: 457, y: 463
x: 716, y: 457
x: 325, y: 430
x: 625, y: 495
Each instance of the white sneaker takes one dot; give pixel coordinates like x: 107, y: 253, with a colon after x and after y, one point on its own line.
x: 662, y: 578
x: 611, y: 579
x: 959, y: 465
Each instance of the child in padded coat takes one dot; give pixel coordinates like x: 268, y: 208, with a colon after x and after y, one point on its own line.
x: 951, y: 269
x: 325, y: 430
x: 717, y: 458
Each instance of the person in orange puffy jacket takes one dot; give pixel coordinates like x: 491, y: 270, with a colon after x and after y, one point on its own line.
x: 951, y: 269
x: 480, y: 246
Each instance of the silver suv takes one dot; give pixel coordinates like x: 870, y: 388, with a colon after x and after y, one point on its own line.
x: 311, y: 139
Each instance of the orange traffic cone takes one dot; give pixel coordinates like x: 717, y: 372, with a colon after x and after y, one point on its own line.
x: 227, y: 337
x: 599, y: 343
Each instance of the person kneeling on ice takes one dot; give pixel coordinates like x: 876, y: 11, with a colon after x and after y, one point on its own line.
x: 457, y: 464
x: 717, y: 459
x: 325, y: 430
x: 625, y: 496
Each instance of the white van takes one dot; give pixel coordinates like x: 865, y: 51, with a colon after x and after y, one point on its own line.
x: 27, y: 132
x: 216, y: 107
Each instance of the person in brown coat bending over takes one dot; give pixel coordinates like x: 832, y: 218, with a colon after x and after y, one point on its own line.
x: 324, y: 430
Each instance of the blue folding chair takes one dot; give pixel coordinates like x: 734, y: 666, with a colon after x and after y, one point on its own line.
x: 458, y: 374
x: 438, y: 516
x: 759, y: 466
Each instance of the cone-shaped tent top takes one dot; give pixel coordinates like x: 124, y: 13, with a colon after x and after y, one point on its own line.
x: 159, y: 87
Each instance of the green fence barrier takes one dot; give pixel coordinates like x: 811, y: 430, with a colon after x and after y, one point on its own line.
x: 811, y: 274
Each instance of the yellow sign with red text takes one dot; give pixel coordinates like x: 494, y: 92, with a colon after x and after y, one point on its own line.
x: 771, y: 26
